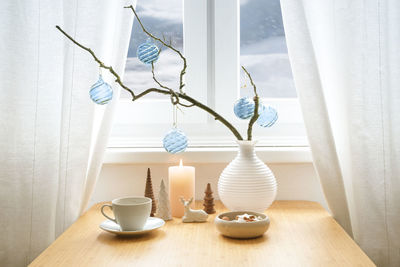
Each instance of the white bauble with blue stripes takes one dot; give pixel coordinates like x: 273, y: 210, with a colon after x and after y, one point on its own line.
x: 147, y: 52
x: 267, y: 117
x: 244, y: 108
x: 101, y: 92
x: 175, y: 141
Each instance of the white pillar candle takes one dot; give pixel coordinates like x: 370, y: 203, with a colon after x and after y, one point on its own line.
x: 181, y: 184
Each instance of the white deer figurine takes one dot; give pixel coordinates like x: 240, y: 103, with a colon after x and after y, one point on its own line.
x: 192, y: 215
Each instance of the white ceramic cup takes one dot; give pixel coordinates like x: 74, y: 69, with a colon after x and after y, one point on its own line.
x: 131, y: 213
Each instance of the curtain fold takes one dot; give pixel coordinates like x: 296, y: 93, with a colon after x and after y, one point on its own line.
x: 346, y: 68
x: 51, y: 144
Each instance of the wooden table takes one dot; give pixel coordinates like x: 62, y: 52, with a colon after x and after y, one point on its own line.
x: 301, y: 234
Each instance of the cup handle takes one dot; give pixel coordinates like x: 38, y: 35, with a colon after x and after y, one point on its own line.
x: 105, y: 215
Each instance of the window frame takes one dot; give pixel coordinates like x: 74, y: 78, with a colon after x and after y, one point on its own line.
x: 211, y: 64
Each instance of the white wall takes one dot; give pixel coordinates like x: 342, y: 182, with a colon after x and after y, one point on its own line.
x: 296, y: 181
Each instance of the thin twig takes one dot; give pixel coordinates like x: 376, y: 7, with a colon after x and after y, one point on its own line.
x: 186, y: 105
x: 183, y: 71
x: 256, y: 104
x: 101, y: 64
x: 251, y: 80
x: 174, y: 96
x: 155, y: 79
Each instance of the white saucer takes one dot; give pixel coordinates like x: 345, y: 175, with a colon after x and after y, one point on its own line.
x: 151, y: 224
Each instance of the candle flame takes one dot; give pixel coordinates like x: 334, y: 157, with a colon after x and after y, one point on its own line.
x: 180, y: 163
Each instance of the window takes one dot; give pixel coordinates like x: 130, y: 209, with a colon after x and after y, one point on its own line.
x: 217, y: 36
x: 263, y: 49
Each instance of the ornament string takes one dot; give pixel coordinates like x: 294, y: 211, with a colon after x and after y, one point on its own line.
x: 175, y: 116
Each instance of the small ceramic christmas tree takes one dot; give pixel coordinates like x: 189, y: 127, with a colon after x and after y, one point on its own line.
x: 149, y: 193
x: 208, y: 200
x: 164, y: 209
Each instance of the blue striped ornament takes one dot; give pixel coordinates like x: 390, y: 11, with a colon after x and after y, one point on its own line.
x: 175, y: 141
x: 244, y: 108
x: 147, y: 52
x: 101, y: 92
x: 268, y: 116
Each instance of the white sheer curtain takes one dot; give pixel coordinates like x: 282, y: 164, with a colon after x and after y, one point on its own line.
x: 346, y: 65
x: 51, y: 149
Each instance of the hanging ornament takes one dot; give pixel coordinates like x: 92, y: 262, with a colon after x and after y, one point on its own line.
x: 175, y: 141
x: 101, y: 92
x: 147, y: 52
x: 268, y: 116
x: 244, y: 108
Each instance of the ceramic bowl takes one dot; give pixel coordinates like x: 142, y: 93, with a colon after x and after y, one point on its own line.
x: 241, y: 230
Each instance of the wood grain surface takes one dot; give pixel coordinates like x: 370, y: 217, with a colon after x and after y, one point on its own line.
x: 301, y: 234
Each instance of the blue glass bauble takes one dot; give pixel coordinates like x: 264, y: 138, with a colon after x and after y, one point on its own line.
x: 101, y: 92
x: 268, y: 116
x: 244, y: 108
x: 175, y: 141
x: 147, y: 52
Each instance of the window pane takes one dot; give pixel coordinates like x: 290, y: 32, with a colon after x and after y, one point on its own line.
x: 159, y: 19
x: 263, y: 49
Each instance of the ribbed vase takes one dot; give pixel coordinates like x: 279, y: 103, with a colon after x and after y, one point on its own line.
x: 247, y: 183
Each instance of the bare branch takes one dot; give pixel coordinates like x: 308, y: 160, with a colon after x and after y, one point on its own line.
x: 101, y: 64
x: 157, y: 90
x: 197, y: 104
x: 256, y: 105
x: 174, y: 96
x: 183, y: 71
x: 186, y: 105
x: 155, y: 79
x: 251, y: 80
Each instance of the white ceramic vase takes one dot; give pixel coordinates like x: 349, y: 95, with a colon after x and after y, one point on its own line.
x: 247, y: 183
